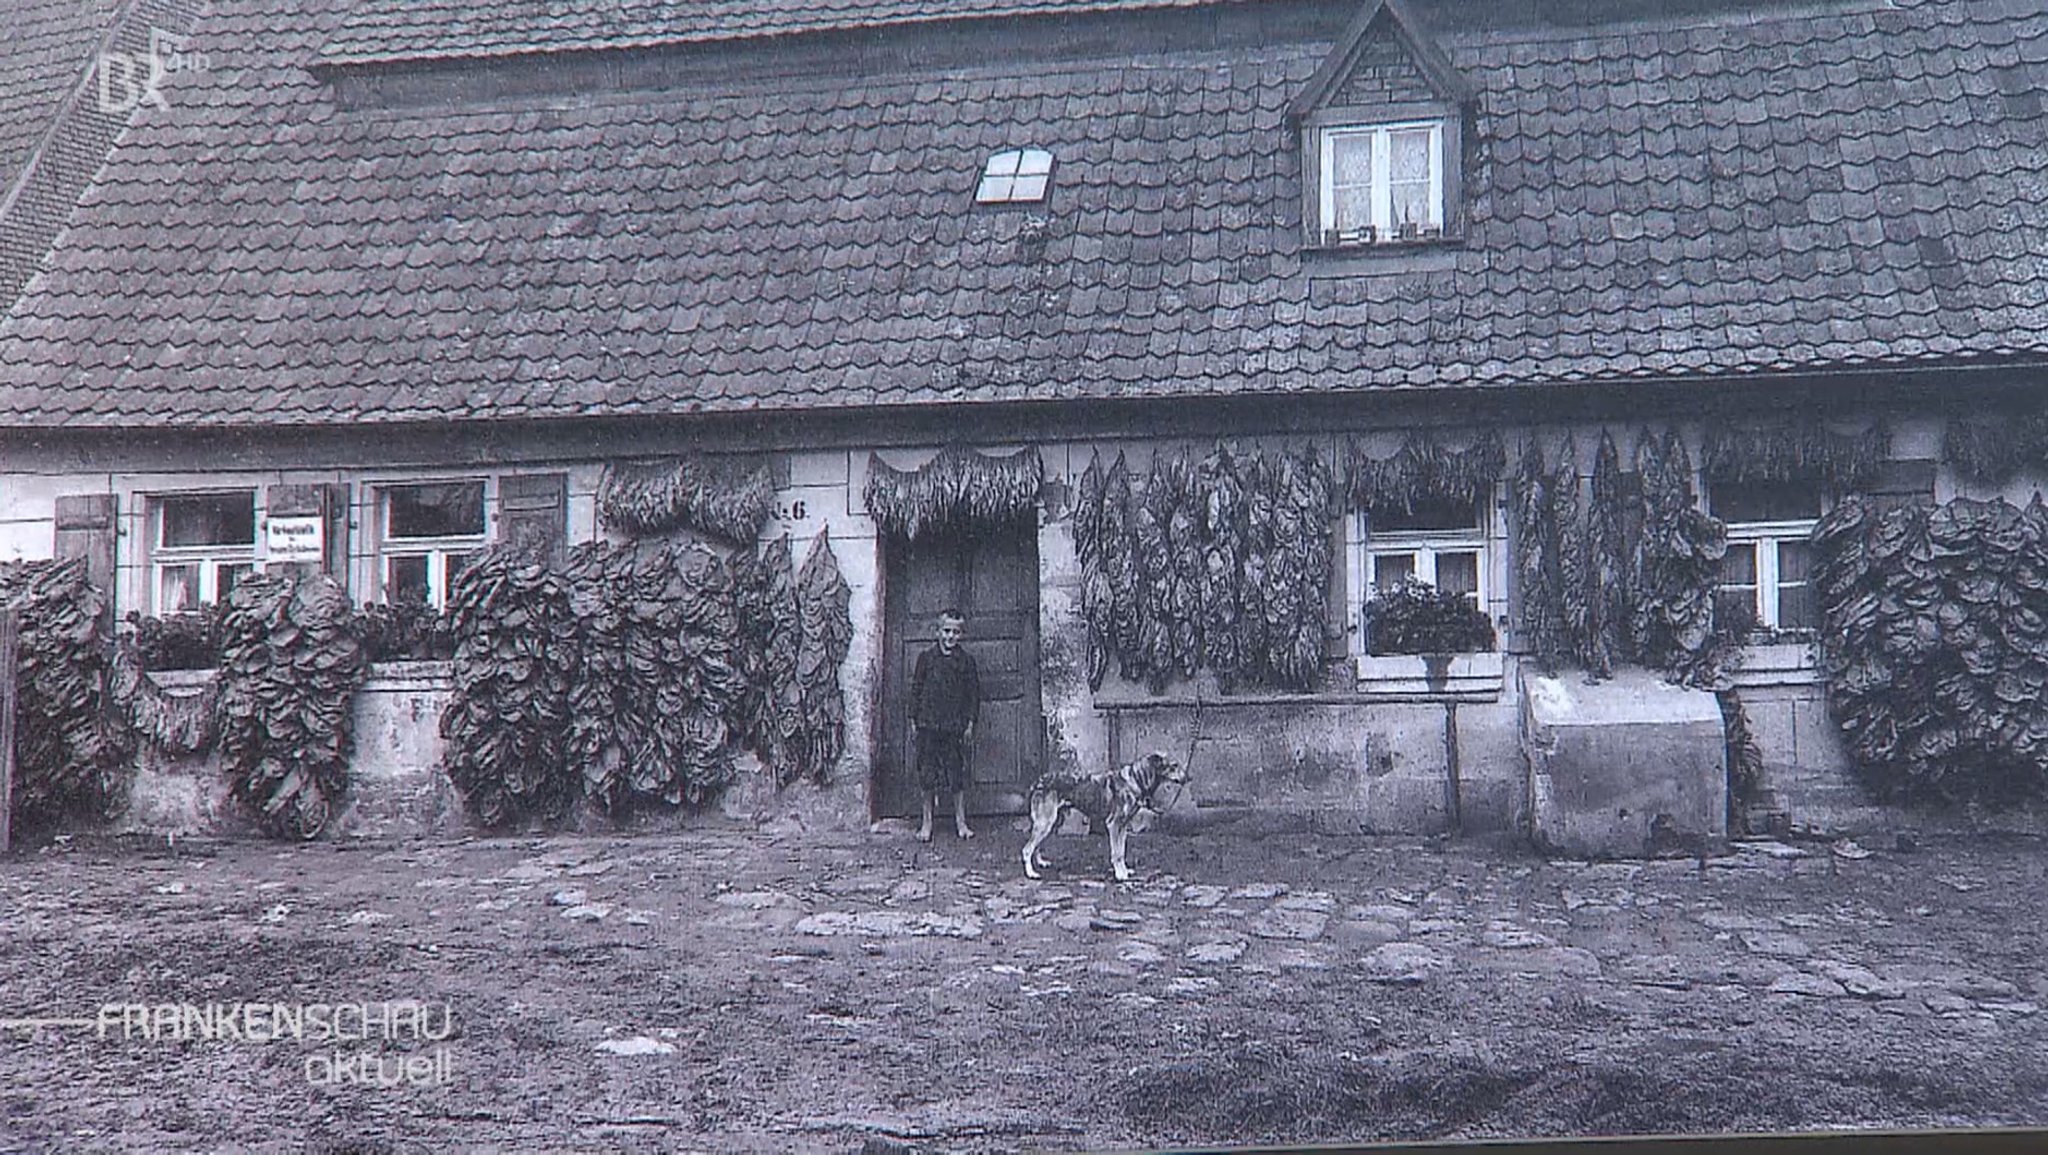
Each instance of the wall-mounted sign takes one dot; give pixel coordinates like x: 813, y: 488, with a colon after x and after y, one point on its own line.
x: 295, y: 539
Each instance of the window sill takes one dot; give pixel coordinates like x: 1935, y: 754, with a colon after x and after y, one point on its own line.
x: 1779, y: 663
x: 1383, y: 258
x: 1450, y: 677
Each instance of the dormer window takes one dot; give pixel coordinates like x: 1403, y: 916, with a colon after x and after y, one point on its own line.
x: 1382, y: 182
x: 1015, y: 176
x: 1382, y: 125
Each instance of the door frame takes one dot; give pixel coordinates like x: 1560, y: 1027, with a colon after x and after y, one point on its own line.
x: 888, y: 753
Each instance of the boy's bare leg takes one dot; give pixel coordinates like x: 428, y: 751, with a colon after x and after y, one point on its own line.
x: 960, y: 814
x: 924, y: 832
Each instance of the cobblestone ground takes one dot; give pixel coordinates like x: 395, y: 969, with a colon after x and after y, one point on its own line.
x: 728, y: 990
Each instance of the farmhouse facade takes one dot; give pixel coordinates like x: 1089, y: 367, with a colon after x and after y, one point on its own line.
x: 381, y: 282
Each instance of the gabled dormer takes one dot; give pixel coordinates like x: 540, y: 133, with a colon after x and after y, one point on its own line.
x: 1382, y: 136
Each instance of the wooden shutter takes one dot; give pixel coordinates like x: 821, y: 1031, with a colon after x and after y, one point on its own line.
x: 85, y: 528
x: 327, y: 501
x: 535, y: 506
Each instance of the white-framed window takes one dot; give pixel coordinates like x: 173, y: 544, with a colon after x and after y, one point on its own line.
x: 1443, y: 545
x: 1381, y: 182
x: 199, y: 545
x: 1015, y: 176
x: 428, y: 532
x: 1766, y: 578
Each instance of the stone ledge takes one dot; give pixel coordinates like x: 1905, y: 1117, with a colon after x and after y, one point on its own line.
x: 385, y: 676
x: 1446, y: 677
x: 1777, y: 664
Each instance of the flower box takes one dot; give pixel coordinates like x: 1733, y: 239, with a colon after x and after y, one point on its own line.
x: 1453, y: 677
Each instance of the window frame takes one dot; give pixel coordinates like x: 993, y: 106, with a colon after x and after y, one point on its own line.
x: 1766, y: 537
x: 1318, y: 173
x: 437, y: 550
x: 1363, y: 550
x: 986, y: 183
x: 210, y: 559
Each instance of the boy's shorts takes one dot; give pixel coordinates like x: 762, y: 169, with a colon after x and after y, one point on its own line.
x: 941, y: 761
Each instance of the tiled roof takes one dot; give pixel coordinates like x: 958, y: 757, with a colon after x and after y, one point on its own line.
x: 379, y: 30
x: 1815, y: 190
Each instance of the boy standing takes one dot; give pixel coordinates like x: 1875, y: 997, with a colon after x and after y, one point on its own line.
x: 945, y: 697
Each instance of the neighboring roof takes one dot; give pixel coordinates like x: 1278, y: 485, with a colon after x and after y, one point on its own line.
x: 385, y: 30
x: 47, y: 48
x: 1806, y: 191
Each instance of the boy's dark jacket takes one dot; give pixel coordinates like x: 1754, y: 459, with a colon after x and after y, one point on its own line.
x: 945, y: 691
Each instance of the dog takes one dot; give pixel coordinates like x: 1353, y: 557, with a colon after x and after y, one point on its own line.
x: 1111, y: 801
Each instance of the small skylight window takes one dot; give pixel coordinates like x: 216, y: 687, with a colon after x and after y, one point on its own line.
x: 1016, y: 176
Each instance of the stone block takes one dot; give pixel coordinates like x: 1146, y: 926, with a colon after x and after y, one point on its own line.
x: 1612, y: 762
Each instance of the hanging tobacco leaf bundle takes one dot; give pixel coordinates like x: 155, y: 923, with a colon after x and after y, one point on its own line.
x: 1120, y: 564
x: 1151, y: 511
x: 516, y: 660
x: 1676, y: 564
x: 1098, y: 599
x: 1564, y: 562
x: 1304, y: 535
x: 1606, y: 595
x: 1088, y: 511
x: 290, y: 664
x: 700, y: 685
x: 177, y: 724
x: 1745, y: 758
x: 771, y: 633
x: 1254, y: 586
x: 658, y: 686
x: 1990, y: 452
x: 1170, y: 559
x: 70, y: 748
x: 957, y: 490
x: 1184, y: 532
x: 1221, y: 564
x: 1423, y: 472
x: 1797, y: 450
x: 599, y: 743
x: 1284, y: 561
x: 823, y: 600
x: 1222, y: 534
x: 729, y: 499
x: 1936, y: 645
x: 1541, y: 617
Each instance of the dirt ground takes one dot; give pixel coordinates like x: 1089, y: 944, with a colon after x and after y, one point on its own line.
x: 728, y: 990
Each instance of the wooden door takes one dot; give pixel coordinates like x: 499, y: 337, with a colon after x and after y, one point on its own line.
x: 993, y: 578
